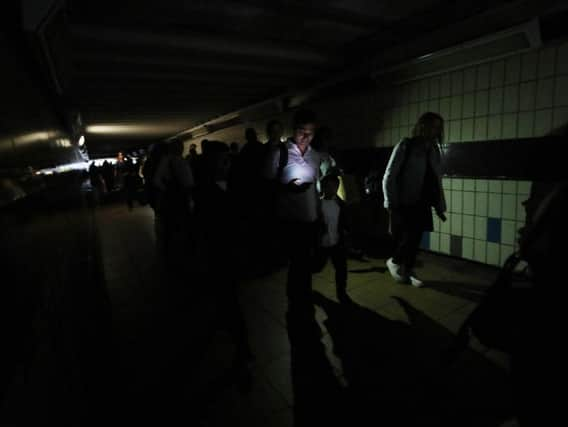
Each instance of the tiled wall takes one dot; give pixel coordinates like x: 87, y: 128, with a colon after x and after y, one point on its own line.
x: 482, y: 220
x: 521, y: 96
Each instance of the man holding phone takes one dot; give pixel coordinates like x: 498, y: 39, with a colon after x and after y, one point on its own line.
x: 296, y: 168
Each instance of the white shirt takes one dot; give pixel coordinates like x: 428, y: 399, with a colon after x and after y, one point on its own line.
x: 173, y: 168
x: 305, y: 168
x: 330, y: 210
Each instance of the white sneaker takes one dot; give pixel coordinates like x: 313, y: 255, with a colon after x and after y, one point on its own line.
x: 415, y: 281
x: 395, y: 271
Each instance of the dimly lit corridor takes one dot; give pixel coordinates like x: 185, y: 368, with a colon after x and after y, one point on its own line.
x: 282, y: 213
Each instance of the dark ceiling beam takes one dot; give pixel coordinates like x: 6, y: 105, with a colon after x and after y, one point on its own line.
x: 224, y: 80
x: 193, y: 42
x: 95, y: 61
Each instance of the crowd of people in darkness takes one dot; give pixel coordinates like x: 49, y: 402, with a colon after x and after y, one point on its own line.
x: 227, y: 214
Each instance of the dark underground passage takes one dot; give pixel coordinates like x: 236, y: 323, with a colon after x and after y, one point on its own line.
x: 282, y: 213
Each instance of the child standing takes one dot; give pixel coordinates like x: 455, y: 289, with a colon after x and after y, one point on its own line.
x: 332, y: 240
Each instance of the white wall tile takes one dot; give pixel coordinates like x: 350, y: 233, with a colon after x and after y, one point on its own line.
x: 561, y: 91
x: 468, y: 104
x: 480, y: 251
x: 494, y: 205
x: 434, y: 105
x: 445, y: 107
x: 468, y: 202
x: 511, y: 99
x: 467, y: 130
x: 456, y: 224
x: 467, y: 248
x: 413, y: 113
x: 497, y: 73
x: 560, y: 117
x: 445, y: 243
x: 445, y: 85
x: 526, y: 124
x: 562, y: 59
x: 496, y: 100
x: 457, y: 202
x: 422, y: 107
x: 482, y: 103
x: 545, y: 93
x: 506, y: 251
x: 482, y: 76
x: 510, y: 187
x: 494, y: 127
x: 480, y: 228
x: 546, y: 62
x: 445, y: 227
x: 529, y: 62
x: 495, y: 186
x: 543, y: 122
x: 493, y: 253
x: 468, y: 228
x: 405, y: 94
x: 480, y: 131
x: 424, y: 93
x: 482, y: 185
x: 404, y: 116
x: 469, y: 184
x: 436, y: 222
x: 527, y: 100
x: 524, y: 187
x: 508, y: 232
x: 521, y: 213
x: 435, y: 242
x: 396, y: 117
x: 509, y: 125
x: 457, y: 82
x: 454, y: 134
x: 512, y: 69
x: 509, y: 206
x: 414, y: 91
x: 457, y: 184
x: 456, y: 107
x: 469, y: 79
x: 447, y: 183
x: 435, y: 87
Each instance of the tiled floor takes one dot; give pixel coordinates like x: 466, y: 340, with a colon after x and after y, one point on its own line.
x: 380, y: 358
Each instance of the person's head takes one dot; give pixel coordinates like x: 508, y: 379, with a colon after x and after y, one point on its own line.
x: 429, y: 126
x: 234, y: 148
x: 304, y: 127
x: 250, y: 135
x: 274, y: 130
x: 193, y: 149
x: 330, y: 185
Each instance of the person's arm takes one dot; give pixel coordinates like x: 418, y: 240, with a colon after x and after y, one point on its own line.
x: 391, y: 176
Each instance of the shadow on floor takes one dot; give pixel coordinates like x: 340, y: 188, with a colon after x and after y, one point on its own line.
x: 469, y: 291
x: 395, y: 374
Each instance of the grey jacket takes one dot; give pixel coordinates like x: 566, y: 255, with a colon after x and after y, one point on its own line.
x: 405, y: 172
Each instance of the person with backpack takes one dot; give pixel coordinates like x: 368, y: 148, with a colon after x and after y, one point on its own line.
x: 412, y: 185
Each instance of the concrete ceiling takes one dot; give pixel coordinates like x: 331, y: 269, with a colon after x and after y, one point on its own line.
x: 142, y: 70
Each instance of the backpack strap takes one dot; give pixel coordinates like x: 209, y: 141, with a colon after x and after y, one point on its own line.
x: 282, y: 160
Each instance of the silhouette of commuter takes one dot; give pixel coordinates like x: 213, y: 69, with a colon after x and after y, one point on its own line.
x: 174, y: 180
x: 332, y: 239
x: 412, y: 185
